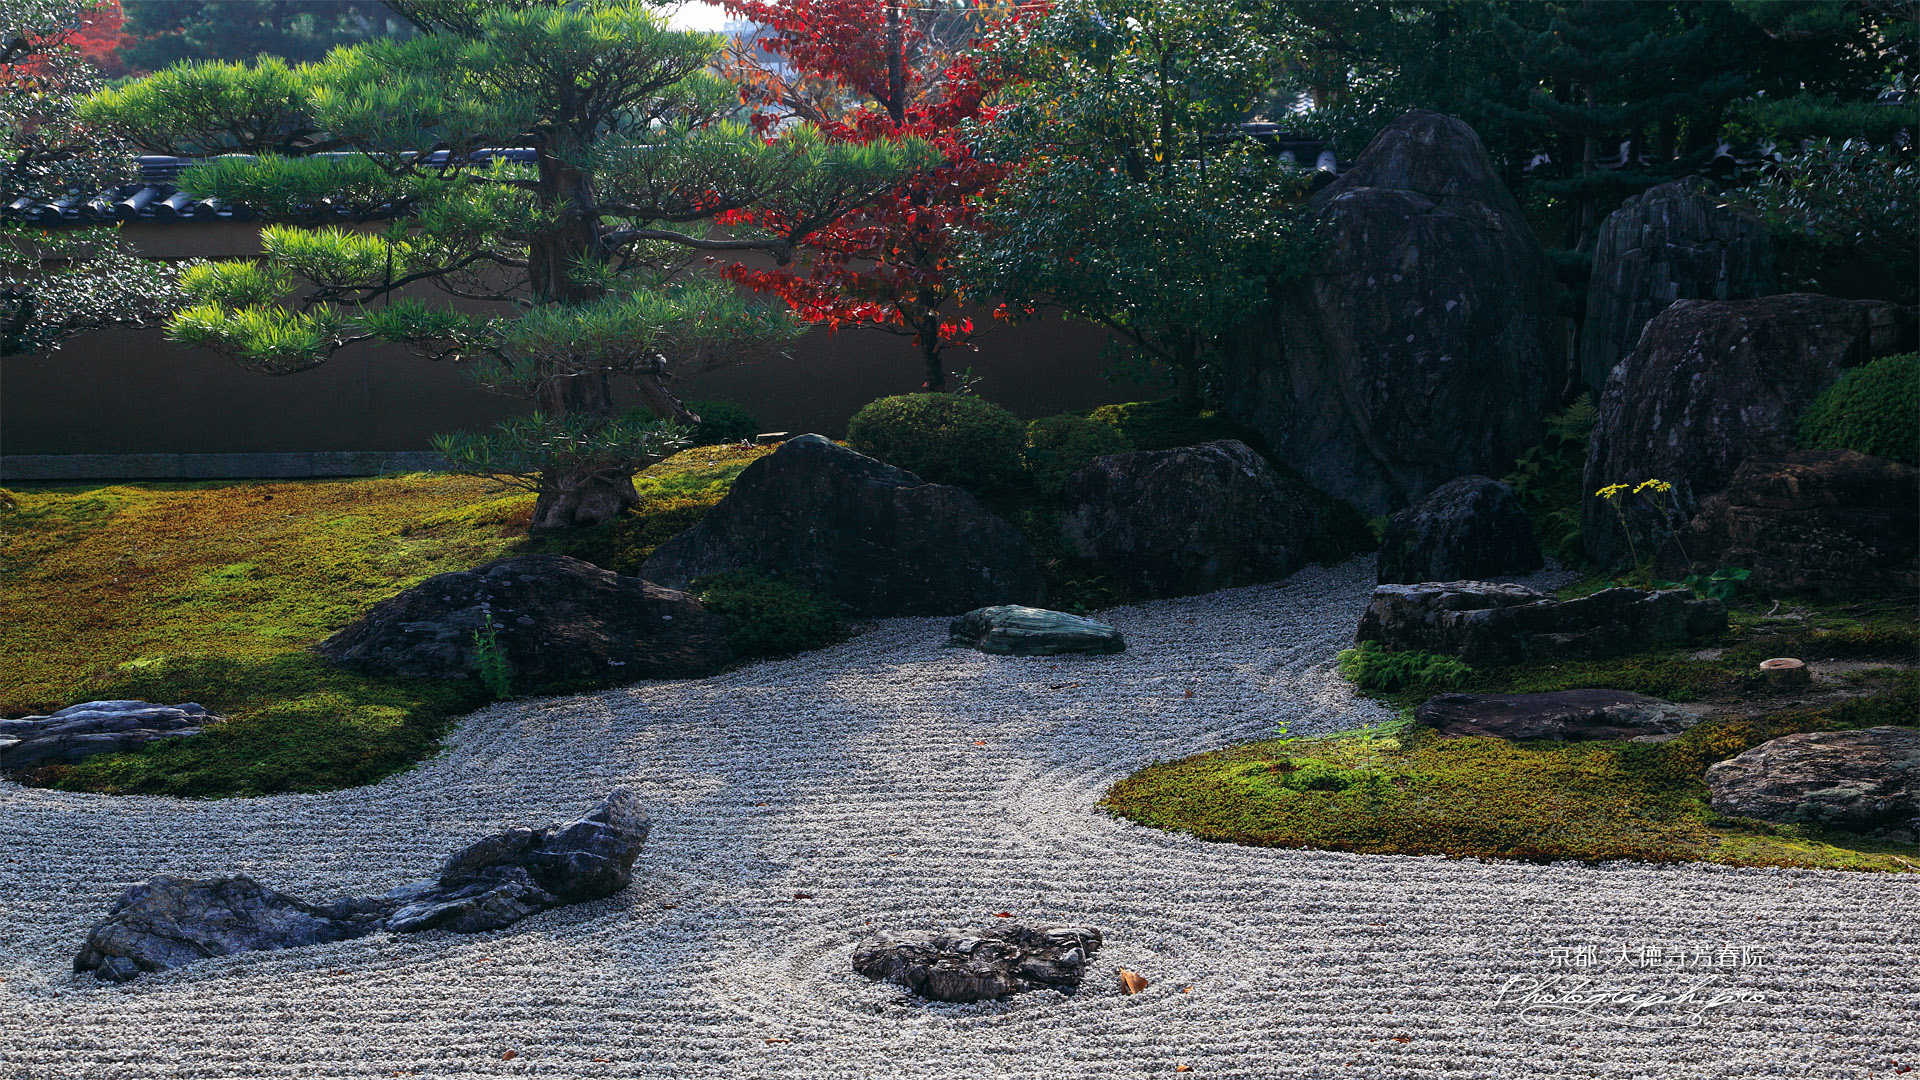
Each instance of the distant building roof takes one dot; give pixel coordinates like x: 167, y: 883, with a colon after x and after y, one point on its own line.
x: 155, y: 197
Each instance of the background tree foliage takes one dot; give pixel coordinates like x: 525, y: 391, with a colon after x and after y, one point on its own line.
x: 1130, y: 196
x: 165, y: 32
x: 560, y: 275
x: 56, y: 283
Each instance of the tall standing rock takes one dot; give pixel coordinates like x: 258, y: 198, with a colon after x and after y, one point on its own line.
x: 1421, y: 347
x: 878, y: 539
x: 1667, y: 243
x: 1710, y: 384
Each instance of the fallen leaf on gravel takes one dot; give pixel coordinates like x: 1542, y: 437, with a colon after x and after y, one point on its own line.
x: 979, y: 742
x: 1186, y: 989
x: 803, y: 896
x: 1402, y: 1038
x: 1131, y: 983
x: 1183, y: 1068
x: 779, y: 1041
x: 1003, y: 914
x: 602, y: 1061
x: 1189, y: 691
x: 508, y: 1056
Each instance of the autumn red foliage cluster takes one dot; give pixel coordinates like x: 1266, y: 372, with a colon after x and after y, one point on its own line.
x: 98, y: 39
x: 863, y: 70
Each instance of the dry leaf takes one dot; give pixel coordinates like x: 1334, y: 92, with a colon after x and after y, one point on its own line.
x: 508, y: 1056
x: 979, y: 742
x: 1003, y: 914
x: 771, y: 1041
x: 1186, y: 989
x: 1189, y: 691
x: 1183, y: 1068
x: 1402, y: 1038
x: 1131, y: 983
x: 803, y: 896
x: 602, y: 1061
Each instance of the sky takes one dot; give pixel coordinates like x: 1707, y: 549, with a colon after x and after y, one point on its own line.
x: 698, y: 16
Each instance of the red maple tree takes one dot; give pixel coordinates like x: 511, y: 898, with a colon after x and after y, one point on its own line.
x: 863, y: 70
x: 98, y: 39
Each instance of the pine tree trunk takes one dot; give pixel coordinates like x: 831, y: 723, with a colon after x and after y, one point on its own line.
x: 579, y: 495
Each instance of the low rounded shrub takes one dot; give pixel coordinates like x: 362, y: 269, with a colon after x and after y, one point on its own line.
x: 1057, y: 446
x: 767, y: 616
x: 1875, y: 409
x: 945, y: 438
x: 723, y: 421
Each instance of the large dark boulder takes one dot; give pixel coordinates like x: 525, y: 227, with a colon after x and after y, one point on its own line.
x: 1561, y: 714
x: 1670, y: 242
x: 1422, y: 345
x: 559, y: 622
x: 1832, y: 524
x: 1851, y: 779
x: 980, y: 965
x: 168, y: 922
x: 1465, y: 530
x: 1189, y: 520
x: 878, y: 539
x: 1711, y: 384
x: 94, y: 727
x: 1491, y: 623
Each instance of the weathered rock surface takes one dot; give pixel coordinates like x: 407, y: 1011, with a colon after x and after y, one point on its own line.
x: 1850, y: 779
x: 1421, y: 346
x: 876, y: 538
x: 1711, y: 384
x: 94, y: 727
x: 1012, y: 630
x: 1189, y: 520
x: 1566, y: 714
x: 1833, y: 524
x: 559, y: 621
x: 1467, y: 529
x: 1670, y: 242
x: 168, y: 922
x: 977, y: 965
x: 1491, y: 623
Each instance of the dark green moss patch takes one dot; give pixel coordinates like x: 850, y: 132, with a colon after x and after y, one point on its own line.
x: 1416, y: 793
x: 770, y: 617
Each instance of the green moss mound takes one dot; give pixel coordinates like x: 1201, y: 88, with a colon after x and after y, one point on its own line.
x: 1419, y: 794
x: 1163, y: 424
x: 1875, y: 409
x: 1059, y: 446
x: 768, y: 617
x: 214, y: 593
x: 945, y: 438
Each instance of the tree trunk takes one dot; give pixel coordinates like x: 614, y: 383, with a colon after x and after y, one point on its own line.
x: 581, y: 494
x: 1186, y: 377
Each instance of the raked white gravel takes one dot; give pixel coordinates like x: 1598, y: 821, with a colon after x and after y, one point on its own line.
x: 900, y: 784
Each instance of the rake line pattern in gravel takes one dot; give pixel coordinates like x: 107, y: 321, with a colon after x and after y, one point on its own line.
x: 898, y: 785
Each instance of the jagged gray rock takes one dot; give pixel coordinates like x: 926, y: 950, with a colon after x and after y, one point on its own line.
x: 978, y: 965
x: 1488, y: 623
x: 878, y: 539
x: 94, y: 727
x: 1013, y: 630
x: 1422, y: 344
x: 168, y: 921
x: 1563, y: 714
x: 1857, y: 779
x: 1670, y: 242
x: 1189, y: 520
x: 1835, y: 524
x: 1467, y: 529
x: 561, y: 623
x: 1711, y: 384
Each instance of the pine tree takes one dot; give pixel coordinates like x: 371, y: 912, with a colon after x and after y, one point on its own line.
x: 569, y: 267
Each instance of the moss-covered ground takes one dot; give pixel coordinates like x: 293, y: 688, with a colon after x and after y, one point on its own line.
x: 1406, y: 790
x: 214, y: 592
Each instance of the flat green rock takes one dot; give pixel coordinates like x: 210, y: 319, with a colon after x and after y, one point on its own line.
x: 1013, y: 630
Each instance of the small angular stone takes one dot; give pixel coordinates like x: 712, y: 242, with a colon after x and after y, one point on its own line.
x: 976, y: 965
